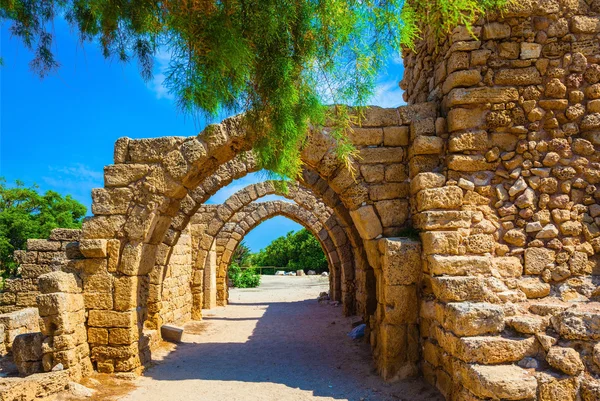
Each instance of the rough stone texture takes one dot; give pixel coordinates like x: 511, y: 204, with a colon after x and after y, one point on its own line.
x: 494, y: 162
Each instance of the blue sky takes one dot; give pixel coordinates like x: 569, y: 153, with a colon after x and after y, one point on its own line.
x: 59, y: 132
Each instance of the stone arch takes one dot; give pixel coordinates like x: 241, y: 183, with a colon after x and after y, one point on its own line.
x: 253, y: 214
x: 343, y: 284
x: 328, y: 233
x: 145, y: 206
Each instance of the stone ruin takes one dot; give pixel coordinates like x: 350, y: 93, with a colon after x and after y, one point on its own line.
x: 494, y: 162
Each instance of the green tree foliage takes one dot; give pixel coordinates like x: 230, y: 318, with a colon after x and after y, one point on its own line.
x: 242, y: 254
x: 279, y: 61
x: 300, y: 250
x: 25, y: 213
x: 246, y: 278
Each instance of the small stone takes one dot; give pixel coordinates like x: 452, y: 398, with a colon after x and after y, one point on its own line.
x: 549, y: 231
x: 556, y: 89
x: 519, y: 186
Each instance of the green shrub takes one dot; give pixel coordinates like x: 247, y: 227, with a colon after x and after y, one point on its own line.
x: 247, y: 278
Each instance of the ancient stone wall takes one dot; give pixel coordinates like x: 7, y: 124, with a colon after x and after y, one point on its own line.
x: 42, y: 256
x: 176, y: 296
x: 507, y: 216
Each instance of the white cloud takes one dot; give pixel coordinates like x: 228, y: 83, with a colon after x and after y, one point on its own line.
x: 76, y: 180
x: 387, y: 94
x: 157, y: 85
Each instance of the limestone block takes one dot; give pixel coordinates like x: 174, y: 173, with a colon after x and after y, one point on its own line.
x: 366, y: 221
x: 534, y: 287
x: 475, y: 140
x: 538, y: 259
x: 388, y: 191
x: 449, y: 197
x: 400, y: 304
x: 57, y: 303
x: 64, y: 323
x: 65, y: 234
x: 392, y: 212
x: 400, y: 261
x: 458, y: 265
x: 518, y: 76
x: 462, y: 118
x: 490, y: 350
x: 440, y: 220
x: 427, y: 145
x: 27, y: 347
x: 470, y: 163
x: 382, y: 155
x: 93, y: 248
x: 530, y: 50
x: 171, y: 333
x: 107, y: 318
x: 528, y: 324
x: 585, y: 24
x: 578, y: 325
x: 464, y: 288
x: 137, y: 258
x: 427, y: 180
x: 565, y: 359
x: 111, y: 200
x: 463, y: 78
x: 473, y: 319
x: 480, y: 243
x: 42, y: 245
x: 123, y: 336
x: 553, y: 388
x: 395, y: 136
x: 507, y: 382
x: 441, y: 242
x: 102, y: 226
x: 121, y: 175
x: 590, y: 389
x: 365, y: 136
x: 496, y: 30
x: 481, y: 95
x: 422, y: 127
x: 507, y: 267
x: 380, y: 117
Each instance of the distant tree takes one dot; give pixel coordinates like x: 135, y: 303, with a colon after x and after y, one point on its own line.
x: 242, y: 254
x: 25, y: 213
x: 296, y: 249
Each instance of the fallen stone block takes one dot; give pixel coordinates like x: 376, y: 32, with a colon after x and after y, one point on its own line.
x: 171, y: 333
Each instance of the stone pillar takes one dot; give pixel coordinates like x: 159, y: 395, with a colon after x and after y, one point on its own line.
x: 62, y: 322
x: 394, y: 327
x: 210, y: 278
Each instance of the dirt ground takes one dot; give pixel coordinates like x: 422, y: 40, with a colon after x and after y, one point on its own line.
x: 275, y: 342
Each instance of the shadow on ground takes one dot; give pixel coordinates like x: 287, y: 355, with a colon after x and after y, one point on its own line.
x: 302, y: 345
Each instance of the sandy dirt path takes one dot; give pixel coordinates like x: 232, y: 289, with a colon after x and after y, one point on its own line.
x: 272, y: 343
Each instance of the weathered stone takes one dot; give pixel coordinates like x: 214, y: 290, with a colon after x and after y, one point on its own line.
x: 461, y: 119
x: 427, y: 145
x: 565, y: 359
x: 473, y: 319
x: 426, y: 180
x: 93, y: 248
x: 479, y: 95
x: 436, y: 220
x: 461, y: 79
x: 518, y: 77
x: 506, y: 382
x: 439, y: 198
x: 367, y: 222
